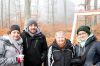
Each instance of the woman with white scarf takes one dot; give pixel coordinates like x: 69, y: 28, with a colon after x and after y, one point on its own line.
x: 85, y: 50
x: 11, y: 48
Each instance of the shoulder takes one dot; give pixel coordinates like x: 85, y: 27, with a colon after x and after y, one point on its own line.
x: 41, y: 36
x: 68, y: 42
x: 97, y: 44
x: 3, y: 43
x: 23, y: 33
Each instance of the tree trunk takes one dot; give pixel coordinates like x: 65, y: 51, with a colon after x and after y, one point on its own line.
x: 53, y: 12
x: 95, y: 8
x: 65, y: 16
x: 48, y: 11
x: 87, y: 7
x: 2, y: 13
x: 20, y: 18
x: 37, y: 10
x: 27, y: 11
x: 9, y: 13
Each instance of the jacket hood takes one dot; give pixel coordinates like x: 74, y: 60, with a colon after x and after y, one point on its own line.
x: 29, y: 33
x: 67, y: 44
x: 90, y: 39
x: 7, y: 37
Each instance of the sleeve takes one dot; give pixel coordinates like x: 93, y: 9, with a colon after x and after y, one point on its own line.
x: 44, y: 49
x: 3, y: 59
x: 90, y: 56
x: 50, y: 57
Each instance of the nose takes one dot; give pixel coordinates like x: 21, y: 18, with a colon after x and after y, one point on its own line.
x: 33, y: 27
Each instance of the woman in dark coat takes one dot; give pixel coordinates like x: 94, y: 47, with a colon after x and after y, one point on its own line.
x: 60, y: 53
x: 85, y: 50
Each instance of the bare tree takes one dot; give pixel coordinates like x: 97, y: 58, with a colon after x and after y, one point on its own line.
x: 95, y: 8
x: 87, y: 7
x: 9, y: 12
x: 20, y: 16
x: 48, y: 11
x: 65, y: 17
x: 15, y: 11
x: 27, y: 9
x: 37, y: 9
x: 53, y: 12
x: 2, y: 13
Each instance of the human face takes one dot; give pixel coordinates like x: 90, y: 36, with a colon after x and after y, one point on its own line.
x: 60, y: 39
x: 82, y: 35
x: 32, y: 28
x: 15, y: 34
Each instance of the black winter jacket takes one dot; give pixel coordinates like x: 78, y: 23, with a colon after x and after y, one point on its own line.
x: 34, y: 49
x: 93, y: 55
x: 60, y: 57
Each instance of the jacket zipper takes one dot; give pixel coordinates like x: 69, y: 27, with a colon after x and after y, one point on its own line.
x: 26, y: 43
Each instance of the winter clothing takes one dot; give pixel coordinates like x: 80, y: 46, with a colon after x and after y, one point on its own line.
x: 14, y: 27
x: 9, y: 50
x: 93, y: 55
x: 60, y: 57
x: 34, y: 48
x: 84, y: 28
x: 30, y: 22
x: 79, y: 51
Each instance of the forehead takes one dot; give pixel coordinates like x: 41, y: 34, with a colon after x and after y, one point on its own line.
x: 14, y: 31
x: 81, y: 32
x: 60, y: 34
x: 33, y: 24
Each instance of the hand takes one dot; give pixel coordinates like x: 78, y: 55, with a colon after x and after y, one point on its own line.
x: 20, y: 58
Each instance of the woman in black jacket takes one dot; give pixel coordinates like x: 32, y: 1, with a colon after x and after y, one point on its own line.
x: 60, y: 53
x: 34, y: 44
x: 86, y: 49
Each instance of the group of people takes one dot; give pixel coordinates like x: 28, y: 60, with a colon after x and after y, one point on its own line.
x: 29, y: 48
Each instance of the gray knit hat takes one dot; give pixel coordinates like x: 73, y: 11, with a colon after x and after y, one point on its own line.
x: 30, y: 22
x: 84, y: 28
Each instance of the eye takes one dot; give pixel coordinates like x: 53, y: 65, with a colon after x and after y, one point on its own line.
x: 15, y: 32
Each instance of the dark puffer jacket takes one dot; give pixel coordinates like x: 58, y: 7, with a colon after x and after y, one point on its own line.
x: 60, y: 57
x: 34, y: 49
x: 94, y: 56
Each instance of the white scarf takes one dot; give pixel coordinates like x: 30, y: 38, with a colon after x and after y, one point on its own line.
x: 82, y: 43
x: 17, y: 44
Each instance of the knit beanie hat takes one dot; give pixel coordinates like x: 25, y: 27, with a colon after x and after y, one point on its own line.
x: 30, y: 22
x: 13, y: 27
x: 84, y: 28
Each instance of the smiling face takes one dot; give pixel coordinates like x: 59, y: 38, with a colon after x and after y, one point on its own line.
x: 60, y: 39
x: 15, y: 34
x: 82, y: 35
x: 32, y: 28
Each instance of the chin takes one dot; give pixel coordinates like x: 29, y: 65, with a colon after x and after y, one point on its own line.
x: 16, y: 39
